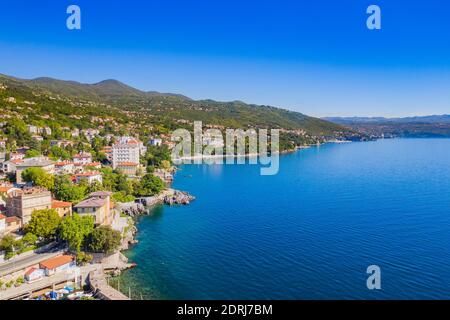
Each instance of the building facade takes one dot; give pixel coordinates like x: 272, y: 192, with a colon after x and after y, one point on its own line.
x: 89, y: 176
x: 128, y: 168
x: 82, y: 158
x: 2, y: 224
x: 125, y: 150
x: 97, y: 205
x: 63, y: 208
x: 22, y: 204
x: 38, y: 162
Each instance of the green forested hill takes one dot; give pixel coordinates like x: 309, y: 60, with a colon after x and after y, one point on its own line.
x: 119, y: 107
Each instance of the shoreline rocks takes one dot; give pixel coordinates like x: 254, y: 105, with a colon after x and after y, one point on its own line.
x: 178, y: 197
x: 131, y: 209
x: 142, y: 205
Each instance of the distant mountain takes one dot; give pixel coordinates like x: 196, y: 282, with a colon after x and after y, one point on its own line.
x: 445, y: 118
x: 71, y: 103
x: 419, y: 126
x: 106, y: 89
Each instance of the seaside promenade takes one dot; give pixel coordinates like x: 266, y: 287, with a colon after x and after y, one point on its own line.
x: 26, y: 290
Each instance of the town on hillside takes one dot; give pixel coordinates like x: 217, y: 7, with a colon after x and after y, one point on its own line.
x: 79, y: 162
x: 66, y: 208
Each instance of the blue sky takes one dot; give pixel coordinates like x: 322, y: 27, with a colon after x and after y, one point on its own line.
x: 316, y: 57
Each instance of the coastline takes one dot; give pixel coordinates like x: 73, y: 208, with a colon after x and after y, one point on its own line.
x: 159, y: 199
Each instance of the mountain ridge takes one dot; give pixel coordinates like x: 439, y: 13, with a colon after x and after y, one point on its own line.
x: 437, y: 126
x: 434, y: 118
x: 175, y: 106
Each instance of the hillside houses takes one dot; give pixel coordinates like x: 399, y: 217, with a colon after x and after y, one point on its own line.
x: 128, y: 168
x: 63, y: 208
x: 37, y: 162
x: 61, y: 143
x: 127, y: 150
x: 22, y: 203
x: 97, y: 205
x: 82, y: 158
x: 34, y: 130
x: 65, y: 167
x: 90, y: 177
x: 19, y: 199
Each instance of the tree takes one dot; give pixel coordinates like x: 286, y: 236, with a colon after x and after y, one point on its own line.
x: 149, y: 186
x: 38, y: 177
x: 8, y: 244
x: 44, y: 223
x: 65, y: 190
x: 155, y: 155
x: 75, y: 229
x: 101, y: 157
x: 30, y: 238
x: 32, y: 153
x: 124, y: 184
x: 104, y: 239
x: 109, y: 178
x: 59, y: 153
x: 94, y: 187
x: 121, y: 196
x: 165, y: 164
x: 83, y: 258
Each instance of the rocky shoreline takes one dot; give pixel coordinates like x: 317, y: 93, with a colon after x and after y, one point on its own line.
x: 142, y: 205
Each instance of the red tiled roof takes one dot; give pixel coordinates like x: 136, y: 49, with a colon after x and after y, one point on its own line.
x: 63, y: 163
x: 82, y: 155
x: 56, y: 262
x: 128, y: 164
x: 60, y: 204
x: 5, y: 189
x: 30, y: 271
x: 93, y: 164
x: 88, y: 174
x: 13, y: 219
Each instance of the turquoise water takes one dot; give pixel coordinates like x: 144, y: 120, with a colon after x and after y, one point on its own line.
x: 308, y: 232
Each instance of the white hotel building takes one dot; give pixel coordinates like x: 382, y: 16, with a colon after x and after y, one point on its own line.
x: 126, y: 149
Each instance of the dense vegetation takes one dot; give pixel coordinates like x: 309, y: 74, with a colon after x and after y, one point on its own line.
x: 77, y: 231
x: 115, y: 108
x: 124, y: 189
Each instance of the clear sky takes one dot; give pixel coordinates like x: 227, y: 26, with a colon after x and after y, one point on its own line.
x: 316, y: 56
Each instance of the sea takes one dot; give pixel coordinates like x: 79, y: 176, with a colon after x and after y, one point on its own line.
x: 309, y: 232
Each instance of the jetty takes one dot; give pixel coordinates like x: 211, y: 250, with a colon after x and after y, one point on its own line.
x: 102, y: 290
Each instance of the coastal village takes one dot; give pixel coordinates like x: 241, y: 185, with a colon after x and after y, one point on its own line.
x: 66, y: 215
x: 78, y: 166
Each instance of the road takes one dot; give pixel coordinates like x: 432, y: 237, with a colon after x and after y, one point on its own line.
x: 47, y: 282
x: 22, y: 263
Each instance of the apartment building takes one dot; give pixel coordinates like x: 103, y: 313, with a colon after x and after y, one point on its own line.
x: 127, y: 149
x: 22, y: 203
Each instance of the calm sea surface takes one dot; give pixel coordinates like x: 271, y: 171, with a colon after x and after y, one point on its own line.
x: 308, y: 232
